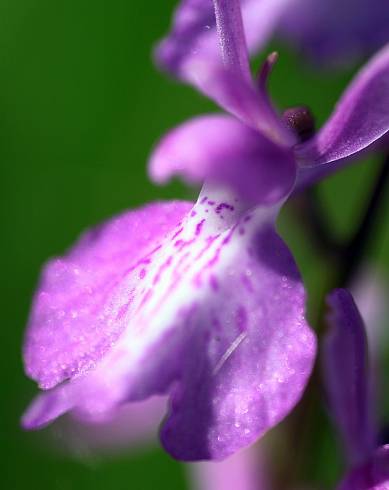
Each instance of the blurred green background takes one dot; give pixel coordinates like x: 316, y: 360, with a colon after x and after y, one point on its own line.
x: 80, y: 107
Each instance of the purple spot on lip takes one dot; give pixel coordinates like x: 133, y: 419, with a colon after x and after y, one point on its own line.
x: 193, y: 213
x: 211, y: 203
x: 247, y: 283
x: 177, y: 233
x: 142, y: 274
x: 145, y: 299
x: 241, y: 319
x: 213, y: 283
x: 203, y: 200
x: 199, y: 227
x: 247, y: 218
x: 216, y: 324
x: 222, y: 206
x: 164, y: 266
x: 122, y: 311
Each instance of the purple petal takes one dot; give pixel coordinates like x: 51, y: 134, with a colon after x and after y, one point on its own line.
x: 360, y: 118
x: 221, y: 149
x: 47, y: 407
x: 219, y: 320
x: 225, y: 76
x: 193, y: 33
x: 336, y: 32
x: 239, y: 97
x: 77, y: 316
x: 373, y: 475
x: 346, y: 376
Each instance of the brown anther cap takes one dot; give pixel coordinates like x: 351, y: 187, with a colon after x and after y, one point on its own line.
x: 300, y: 119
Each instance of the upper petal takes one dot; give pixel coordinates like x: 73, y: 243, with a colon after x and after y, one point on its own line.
x: 231, y: 36
x: 217, y: 64
x: 221, y: 149
x: 77, y: 316
x: 346, y: 376
x: 193, y: 33
x: 241, y: 98
x: 360, y: 117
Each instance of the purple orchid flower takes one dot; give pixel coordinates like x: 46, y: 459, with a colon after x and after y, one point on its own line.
x: 347, y: 379
x: 203, y: 303
x: 332, y: 31
x: 234, y: 149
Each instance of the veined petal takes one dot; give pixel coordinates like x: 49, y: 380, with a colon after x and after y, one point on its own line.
x: 360, y: 118
x: 76, y: 315
x: 373, y: 475
x: 221, y: 149
x: 218, y: 322
x: 346, y: 376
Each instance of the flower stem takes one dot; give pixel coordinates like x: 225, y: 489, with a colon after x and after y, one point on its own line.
x: 310, y: 210
x: 356, y: 248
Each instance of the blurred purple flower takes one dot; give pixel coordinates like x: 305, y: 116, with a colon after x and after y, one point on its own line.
x: 336, y: 32
x: 203, y: 303
x: 347, y: 380
x: 233, y: 150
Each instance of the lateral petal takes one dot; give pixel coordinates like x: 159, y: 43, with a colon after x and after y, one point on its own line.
x: 221, y: 149
x: 360, y: 118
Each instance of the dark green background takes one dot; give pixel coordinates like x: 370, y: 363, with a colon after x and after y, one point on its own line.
x: 80, y: 107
